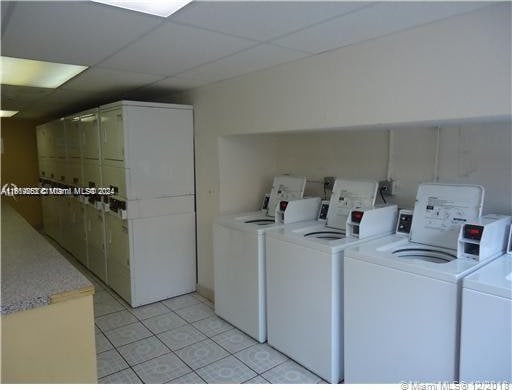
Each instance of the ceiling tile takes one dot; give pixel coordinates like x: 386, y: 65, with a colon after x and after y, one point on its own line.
x: 17, y: 97
x: 371, y: 22
x: 261, y: 20
x: 173, y: 48
x: 178, y: 84
x: 77, y: 32
x: 109, y: 81
x: 256, y: 58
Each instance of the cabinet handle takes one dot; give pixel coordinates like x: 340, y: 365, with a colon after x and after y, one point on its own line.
x: 104, y: 134
x: 109, y: 236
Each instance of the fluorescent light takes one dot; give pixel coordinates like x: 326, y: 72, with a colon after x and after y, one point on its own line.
x: 162, y: 8
x: 32, y: 73
x: 7, y: 113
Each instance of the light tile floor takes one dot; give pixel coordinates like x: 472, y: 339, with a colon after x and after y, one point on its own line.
x: 180, y: 340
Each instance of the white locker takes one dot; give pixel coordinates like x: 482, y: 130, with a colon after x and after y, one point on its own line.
x: 47, y: 213
x: 51, y: 163
x: 58, y: 139
x: 118, y: 255
x: 90, y: 134
x: 145, y: 151
x: 65, y: 202
x: 74, y: 176
x: 44, y: 141
x: 61, y: 170
x: 92, y: 174
x: 116, y: 177
x: 112, y: 137
x: 158, y: 140
x: 44, y: 169
x: 73, y: 137
x: 77, y: 232
x: 96, y: 242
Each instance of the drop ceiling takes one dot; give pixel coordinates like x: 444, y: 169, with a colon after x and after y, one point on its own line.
x: 139, y: 56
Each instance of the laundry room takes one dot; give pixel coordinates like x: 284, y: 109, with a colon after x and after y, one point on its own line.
x: 212, y: 195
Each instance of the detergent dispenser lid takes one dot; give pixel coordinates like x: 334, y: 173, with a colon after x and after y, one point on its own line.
x: 285, y: 188
x: 347, y: 195
x: 441, y: 209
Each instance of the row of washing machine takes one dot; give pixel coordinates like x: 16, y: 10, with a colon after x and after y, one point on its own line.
x: 356, y: 296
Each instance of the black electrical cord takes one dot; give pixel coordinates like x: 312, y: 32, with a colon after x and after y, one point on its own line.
x: 381, y: 190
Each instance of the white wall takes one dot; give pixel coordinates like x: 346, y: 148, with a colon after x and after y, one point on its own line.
x: 471, y: 154
x: 457, y: 68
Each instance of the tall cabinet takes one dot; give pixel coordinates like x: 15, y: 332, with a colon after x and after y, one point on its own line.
x: 140, y: 237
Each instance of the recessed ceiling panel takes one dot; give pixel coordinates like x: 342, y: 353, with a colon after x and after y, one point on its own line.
x: 109, y: 81
x: 261, y: 20
x: 256, y: 58
x: 371, y: 22
x: 173, y: 48
x: 77, y: 32
x: 17, y: 97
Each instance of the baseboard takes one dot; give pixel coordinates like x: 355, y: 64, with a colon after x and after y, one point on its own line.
x: 205, y: 292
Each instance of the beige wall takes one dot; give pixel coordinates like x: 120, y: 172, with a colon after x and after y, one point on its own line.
x: 20, y: 166
x: 452, y: 70
x: 50, y: 344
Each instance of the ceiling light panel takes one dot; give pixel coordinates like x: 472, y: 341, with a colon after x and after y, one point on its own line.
x: 162, y: 8
x: 7, y: 113
x: 32, y: 73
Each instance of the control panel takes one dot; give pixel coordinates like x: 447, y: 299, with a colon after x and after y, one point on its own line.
x: 264, y: 204
x: 324, y: 209
x: 484, y: 237
x: 404, y: 222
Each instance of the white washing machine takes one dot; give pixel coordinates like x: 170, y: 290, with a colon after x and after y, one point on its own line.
x: 305, y: 276
x: 486, y: 325
x: 402, y: 295
x: 239, y: 254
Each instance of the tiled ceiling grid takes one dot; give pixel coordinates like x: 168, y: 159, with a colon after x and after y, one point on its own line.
x: 139, y: 56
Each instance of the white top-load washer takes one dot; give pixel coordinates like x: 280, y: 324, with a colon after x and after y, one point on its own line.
x: 239, y: 254
x: 402, y: 294
x: 486, y: 325
x: 305, y: 276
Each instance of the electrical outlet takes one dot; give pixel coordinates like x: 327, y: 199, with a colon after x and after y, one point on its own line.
x: 329, y: 182
x: 386, y: 186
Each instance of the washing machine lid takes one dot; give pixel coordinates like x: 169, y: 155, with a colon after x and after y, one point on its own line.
x: 347, y: 195
x: 285, y: 188
x: 250, y: 220
x: 441, y: 209
x: 495, y: 278
x: 383, y: 252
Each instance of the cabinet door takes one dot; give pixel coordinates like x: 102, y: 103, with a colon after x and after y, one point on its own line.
x: 74, y: 176
x: 43, y: 140
x: 78, y: 240
x: 61, y: 170
x: 96, y: 242
x: 73, y: 137
x: 118, y: 256
x: 44, y: 168
x: 112, y: 140
x: 118, y: 249
x: 91, y: 136
x: 92, y: 175
x: 115, y: 177
x: 46, y: 208
x: 95, y: 228
x: 58, y: 137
